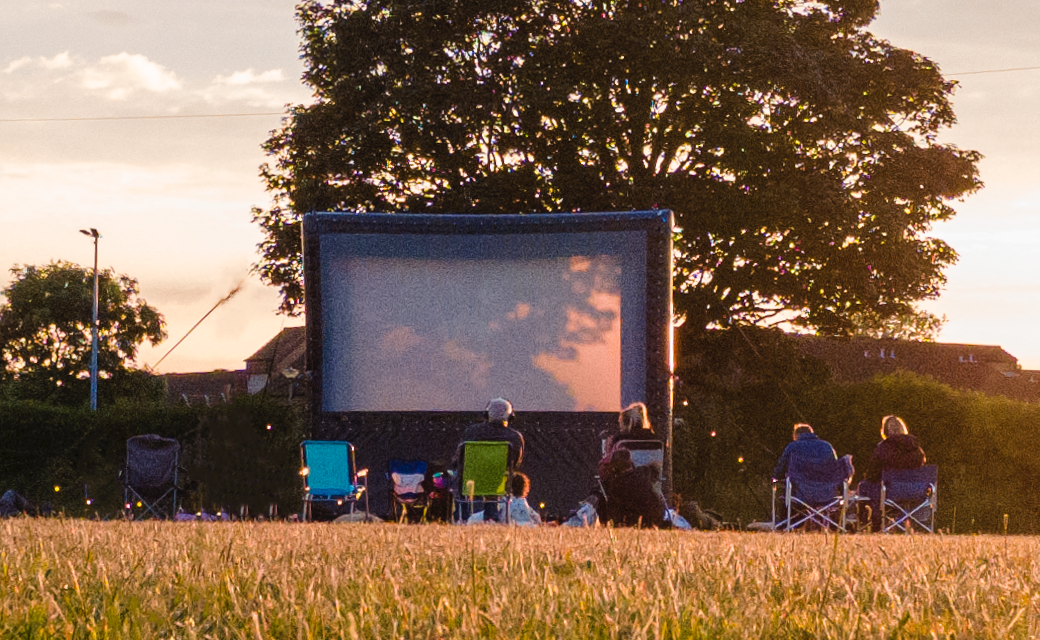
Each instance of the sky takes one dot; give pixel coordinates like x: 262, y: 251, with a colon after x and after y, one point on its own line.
x: 171, y: 197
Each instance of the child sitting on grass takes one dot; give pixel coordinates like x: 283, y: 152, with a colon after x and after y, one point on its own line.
x: 520, y: 513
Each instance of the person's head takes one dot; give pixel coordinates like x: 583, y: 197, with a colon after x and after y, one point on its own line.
x: 499, y: 410
x: 799, y: 429
x: 621, y: 460
x: 634, y: 418
x: 893, y: 426
x: 520, y: 485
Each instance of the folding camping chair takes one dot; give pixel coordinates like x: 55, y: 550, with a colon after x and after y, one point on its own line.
x: 816, y: 494
x: 331, y: 477
x: 644, y: 452
x: 150, y: 477
x: 484, y: 476
x: 407, y: 491
x: 909, y: 498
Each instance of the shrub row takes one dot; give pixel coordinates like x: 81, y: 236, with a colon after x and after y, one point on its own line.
x: 229, y: 456
x: 742, y: 391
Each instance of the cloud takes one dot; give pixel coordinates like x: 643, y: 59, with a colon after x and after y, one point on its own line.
x: 61, y: 61
x: 244, y: 86
x: 67, y: 85
x: 121, y: 75
x: 248, y: 77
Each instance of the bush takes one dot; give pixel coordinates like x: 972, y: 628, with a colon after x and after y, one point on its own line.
x: 63, y: 455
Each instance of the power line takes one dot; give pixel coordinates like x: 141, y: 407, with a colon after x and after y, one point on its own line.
x: 975, y: 73
x: 180, y: 117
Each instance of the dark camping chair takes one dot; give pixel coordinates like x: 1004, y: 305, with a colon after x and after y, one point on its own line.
x: 407, y: 489
x: 150, y: 477
x: 909, y: 498
x: 816, y: 494
x: 331, y: 478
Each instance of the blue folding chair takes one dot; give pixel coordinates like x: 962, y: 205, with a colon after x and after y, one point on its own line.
x: 331, y: 477
x: 816, y: 494
x: 909, y: 498
x: 407, y: 492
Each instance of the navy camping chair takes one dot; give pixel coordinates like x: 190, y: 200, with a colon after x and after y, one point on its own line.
x: 331, y: 478
x: 407, y: 488
x: 909, y: 498
x: 816, y: 494
x: 149, y: 477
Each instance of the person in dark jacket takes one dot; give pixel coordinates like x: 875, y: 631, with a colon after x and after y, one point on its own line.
x: 807, y: 447
x: 897, y: 449
x: 496, y: 428
x: 630, y: 496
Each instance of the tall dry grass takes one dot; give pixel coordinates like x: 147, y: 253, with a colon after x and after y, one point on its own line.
x: 80, y: 579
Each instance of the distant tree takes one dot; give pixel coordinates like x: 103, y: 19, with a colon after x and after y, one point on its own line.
x: 906, y: 324
x: 45, y: 331
x: 798, y: 150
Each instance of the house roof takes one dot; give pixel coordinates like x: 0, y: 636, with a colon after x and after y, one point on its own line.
x: 975, y: 367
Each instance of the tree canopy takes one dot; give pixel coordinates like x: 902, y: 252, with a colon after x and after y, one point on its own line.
x: 798, y: 150
x: 45, y: 329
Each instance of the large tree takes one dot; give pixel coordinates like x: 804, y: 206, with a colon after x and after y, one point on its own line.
x: 798, y: 151
x: 45, y: 330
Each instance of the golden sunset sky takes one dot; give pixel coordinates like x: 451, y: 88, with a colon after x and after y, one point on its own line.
x: 172, y: 197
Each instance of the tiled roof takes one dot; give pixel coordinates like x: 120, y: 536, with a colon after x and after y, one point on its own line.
x: 985, y: 368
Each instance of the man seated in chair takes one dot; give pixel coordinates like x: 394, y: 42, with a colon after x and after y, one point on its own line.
x: 807, y: 447
x: 495, y: 428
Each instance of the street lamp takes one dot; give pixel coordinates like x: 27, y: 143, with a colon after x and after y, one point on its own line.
x: 93, y: 233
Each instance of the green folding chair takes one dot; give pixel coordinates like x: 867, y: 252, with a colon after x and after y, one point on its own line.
x: 330, y: 476
x: 484, y: 476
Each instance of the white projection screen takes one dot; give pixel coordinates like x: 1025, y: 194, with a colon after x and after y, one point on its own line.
x: 445, y: 321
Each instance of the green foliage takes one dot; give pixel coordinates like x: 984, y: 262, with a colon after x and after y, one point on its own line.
x: 750, y: 397
x: 798, y: 150
x: 906, y: 323
x: 45, y: 334
x: 230, y: 456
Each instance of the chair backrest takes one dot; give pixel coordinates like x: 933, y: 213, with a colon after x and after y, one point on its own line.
x: 909, y: 484
x: 406, y: 476
x: 330, y: 467
x: 151, y: 461
x: 644, y: 452
x: 486, y: 466
x: 819, y: 481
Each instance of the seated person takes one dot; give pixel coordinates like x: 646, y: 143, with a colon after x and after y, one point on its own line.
x: 629, y: 492
x: 633, y: 424
x: 897, y: 450
x: 520, y: 512
x: 495, y: 428
x: 807, y: 447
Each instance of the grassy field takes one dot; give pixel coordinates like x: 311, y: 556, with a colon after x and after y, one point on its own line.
x: 81, y: 579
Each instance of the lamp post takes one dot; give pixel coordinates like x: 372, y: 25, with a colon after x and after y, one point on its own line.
x: 93, y: 233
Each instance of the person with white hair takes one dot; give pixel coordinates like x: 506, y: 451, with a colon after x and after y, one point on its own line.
x: 495, y: 428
